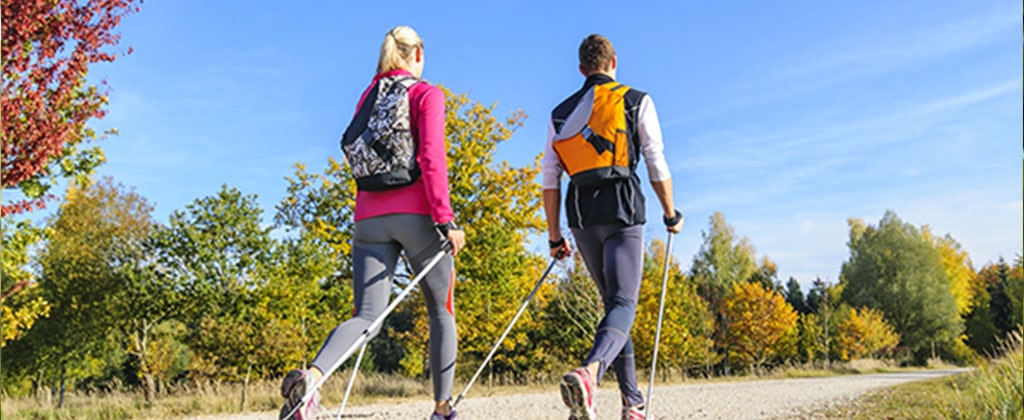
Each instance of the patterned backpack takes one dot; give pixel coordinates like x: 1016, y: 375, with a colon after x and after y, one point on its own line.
x: 378, y: 143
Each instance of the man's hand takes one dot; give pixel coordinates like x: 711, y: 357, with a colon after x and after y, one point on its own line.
x: 560, y: 249
x: 674, y: 223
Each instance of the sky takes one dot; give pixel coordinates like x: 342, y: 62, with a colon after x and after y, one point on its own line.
x: 788, y: 117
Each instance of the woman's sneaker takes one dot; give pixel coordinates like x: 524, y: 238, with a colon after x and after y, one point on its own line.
x: 452, y: 416
x: 578, y: 394
x: 635, y: 413
x: 293, y: 388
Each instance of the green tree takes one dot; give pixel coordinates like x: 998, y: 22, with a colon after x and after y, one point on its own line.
x: 96, y: 232
x: 216, y: 249
x: 892, y: 268
x: 795, y: 296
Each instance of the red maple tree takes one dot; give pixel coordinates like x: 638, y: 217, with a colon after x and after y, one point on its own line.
x: 47, y: 48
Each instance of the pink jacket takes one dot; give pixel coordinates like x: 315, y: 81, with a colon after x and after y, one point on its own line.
x: 429, y: 194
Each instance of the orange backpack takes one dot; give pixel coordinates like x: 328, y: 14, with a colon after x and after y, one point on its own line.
x: 592, y: 144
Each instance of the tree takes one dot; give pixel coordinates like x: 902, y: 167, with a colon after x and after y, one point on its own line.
x: 996, y: 310
x: 892, y: 268
x: 795, y: 297
x: 688, y: 325
x: 721, y: 262
x: 21, y: 302
x: 48, y: 47
x: 958, y: 268
x: 862, y: 333
x: 499, y: 208
x: 216, y: 249
x: 97, y: 231
x: 760, y: 324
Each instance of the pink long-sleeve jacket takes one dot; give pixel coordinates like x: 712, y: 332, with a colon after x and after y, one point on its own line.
x: 429, y: 194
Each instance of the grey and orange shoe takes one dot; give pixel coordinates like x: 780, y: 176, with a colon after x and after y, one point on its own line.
x: 293, y: 389
x: 578, y: 389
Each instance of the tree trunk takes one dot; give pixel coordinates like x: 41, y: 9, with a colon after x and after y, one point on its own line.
x: 148, y: 386
x: 245, y: 388
x: 63, y: 376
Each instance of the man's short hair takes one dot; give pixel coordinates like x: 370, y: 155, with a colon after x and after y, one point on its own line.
x: 596, y: 54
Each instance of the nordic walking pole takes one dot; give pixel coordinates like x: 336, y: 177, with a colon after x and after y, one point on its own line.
x: 657, y: 333
x: 362, y: 339
x: 509, y: 328
x: 351, y: 381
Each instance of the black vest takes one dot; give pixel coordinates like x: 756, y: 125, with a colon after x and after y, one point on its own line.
x: 619, y: 202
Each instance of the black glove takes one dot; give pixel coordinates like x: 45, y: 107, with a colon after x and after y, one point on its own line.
x: 674, y: 220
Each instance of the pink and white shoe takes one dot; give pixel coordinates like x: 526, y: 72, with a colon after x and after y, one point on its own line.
x: 293, y: 389
x: 578, y: 389
x: 635, y: 413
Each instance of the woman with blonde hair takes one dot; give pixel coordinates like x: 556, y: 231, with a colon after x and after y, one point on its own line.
x: 404, y: 207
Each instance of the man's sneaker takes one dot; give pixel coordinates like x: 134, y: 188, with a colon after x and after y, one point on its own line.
x: 293, y: 388
x: 578, y: 394
x: 635, y: 413
x: 452, y: 416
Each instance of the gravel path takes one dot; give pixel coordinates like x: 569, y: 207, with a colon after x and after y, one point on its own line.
x: 754, y: 399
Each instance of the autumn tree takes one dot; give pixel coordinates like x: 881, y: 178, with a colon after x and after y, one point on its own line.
x: 959, y: 270
x: 499, y: 207
x: 48, y: 47
x: 892, y: 268
x: 761, y: 325
x: 21, y: 303
x: 722, y: 261
x: 688, y: 325
x: 818, y: 327
x: 863, y: 332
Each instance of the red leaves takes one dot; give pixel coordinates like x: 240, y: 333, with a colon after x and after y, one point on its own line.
x: 48, y: 46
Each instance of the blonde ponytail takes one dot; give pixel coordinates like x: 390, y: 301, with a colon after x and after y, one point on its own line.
x: 399, y: 45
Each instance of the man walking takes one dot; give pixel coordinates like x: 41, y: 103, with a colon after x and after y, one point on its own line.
x: 596, y: 136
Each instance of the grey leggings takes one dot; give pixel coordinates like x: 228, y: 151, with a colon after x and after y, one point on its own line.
x: 375, y: 247
x: 614, y: 257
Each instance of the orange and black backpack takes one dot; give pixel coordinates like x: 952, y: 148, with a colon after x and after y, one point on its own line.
x: 592, y: 144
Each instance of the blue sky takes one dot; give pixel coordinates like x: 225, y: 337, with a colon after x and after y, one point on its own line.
x: 788, y: 117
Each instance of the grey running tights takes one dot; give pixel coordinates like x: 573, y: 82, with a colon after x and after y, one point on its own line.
x: 375, y: 248
x: 614, y: 257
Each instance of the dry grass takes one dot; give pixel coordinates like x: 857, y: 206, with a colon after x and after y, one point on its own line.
x: 995, y: 390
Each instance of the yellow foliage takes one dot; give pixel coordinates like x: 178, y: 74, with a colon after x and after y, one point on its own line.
x: 864, y: 332
x: 958, y: 268
x: 760, y: 323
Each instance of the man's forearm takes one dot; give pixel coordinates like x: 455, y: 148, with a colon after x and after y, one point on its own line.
x: 663, y: 189
x: 552, y: 208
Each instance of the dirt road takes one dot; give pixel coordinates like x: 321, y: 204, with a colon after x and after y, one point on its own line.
x: 754, y: 399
